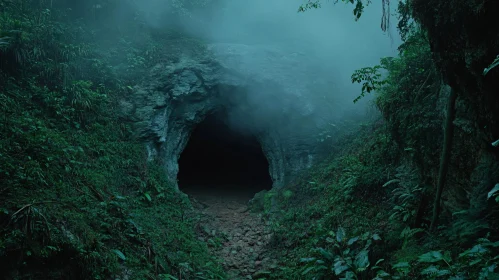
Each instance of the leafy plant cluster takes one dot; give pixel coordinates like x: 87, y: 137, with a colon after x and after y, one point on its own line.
x: 349, y: 261
x: 346, y: 258
x: 78, y: 199
x: 314, y: 252
x: 383, y: 179
x: 478, y: 262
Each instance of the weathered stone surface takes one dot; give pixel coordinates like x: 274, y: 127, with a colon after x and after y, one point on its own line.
x: 265, y: 91
x: 461, y: 53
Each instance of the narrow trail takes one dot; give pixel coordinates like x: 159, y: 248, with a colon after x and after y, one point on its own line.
x: 233, y: 234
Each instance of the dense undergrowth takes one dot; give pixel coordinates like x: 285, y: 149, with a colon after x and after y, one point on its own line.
x: 78, y: 199
x: 366, y: 212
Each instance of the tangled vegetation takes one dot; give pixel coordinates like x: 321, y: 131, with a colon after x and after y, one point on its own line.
x: 368, y: 212
x: 79, y: 200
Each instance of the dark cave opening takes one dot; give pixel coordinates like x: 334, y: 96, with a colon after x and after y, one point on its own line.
x: 221, y: 160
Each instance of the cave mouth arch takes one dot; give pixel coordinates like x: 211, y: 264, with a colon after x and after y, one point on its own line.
x: 220, y: 159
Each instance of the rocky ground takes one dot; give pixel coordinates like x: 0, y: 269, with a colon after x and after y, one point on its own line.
x: 234, y: 234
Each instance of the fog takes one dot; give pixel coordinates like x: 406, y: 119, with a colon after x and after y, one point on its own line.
x: 328, y: 37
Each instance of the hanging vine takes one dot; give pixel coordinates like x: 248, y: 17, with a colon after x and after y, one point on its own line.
x: 357, y: 11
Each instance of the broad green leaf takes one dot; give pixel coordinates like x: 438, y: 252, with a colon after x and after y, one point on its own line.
x: 443, y: 272
x: 320, y: 267
x: 431, y: 270
x: 401, y: 265
x: 362, y: 260
x: 462, y: 212
x: 352, y: 240
x: 307, y: 260
x: 326, y: 254
x: 52, y: 248
x: 339, y: 267
x: 391, y: 182
x: 475, y: 262
x: 349, y: 275
x: 307, y: 270
x: 382, y: 273
x: 119, y: 254
x: 493, y: 191
x: 476, y: 250
x: 435, y: 271
x: 148, y: 197
x: 431, y: 257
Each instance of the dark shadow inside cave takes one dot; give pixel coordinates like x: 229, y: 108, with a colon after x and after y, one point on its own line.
x: 219, y: 160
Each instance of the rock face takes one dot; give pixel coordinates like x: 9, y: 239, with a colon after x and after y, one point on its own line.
x: 266, y: 92
x: 461, y: 53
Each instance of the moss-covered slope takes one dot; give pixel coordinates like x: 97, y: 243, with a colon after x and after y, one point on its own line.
x: 78, y: 199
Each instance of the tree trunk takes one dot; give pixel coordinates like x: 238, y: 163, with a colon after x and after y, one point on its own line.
x: 446, y: 153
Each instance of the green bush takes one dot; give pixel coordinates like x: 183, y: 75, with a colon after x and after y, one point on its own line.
x: 343, y: 257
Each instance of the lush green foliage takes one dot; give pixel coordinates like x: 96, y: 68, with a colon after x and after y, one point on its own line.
x: 78, y: 198
x: 380, y: 180
x: 345, y: 257
x: 371, y: 80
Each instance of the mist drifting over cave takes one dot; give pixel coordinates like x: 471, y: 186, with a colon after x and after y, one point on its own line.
x: 280, y: 75
x: 328, y: 42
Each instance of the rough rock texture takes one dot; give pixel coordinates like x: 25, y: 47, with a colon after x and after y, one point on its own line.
x: 463, y: 36
x: 463, y: 39
x: 265, y: 92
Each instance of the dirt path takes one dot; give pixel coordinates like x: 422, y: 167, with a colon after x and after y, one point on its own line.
x: 234, y: 234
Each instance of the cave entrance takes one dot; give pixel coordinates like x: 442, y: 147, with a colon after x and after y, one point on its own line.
x: 220, y: 160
